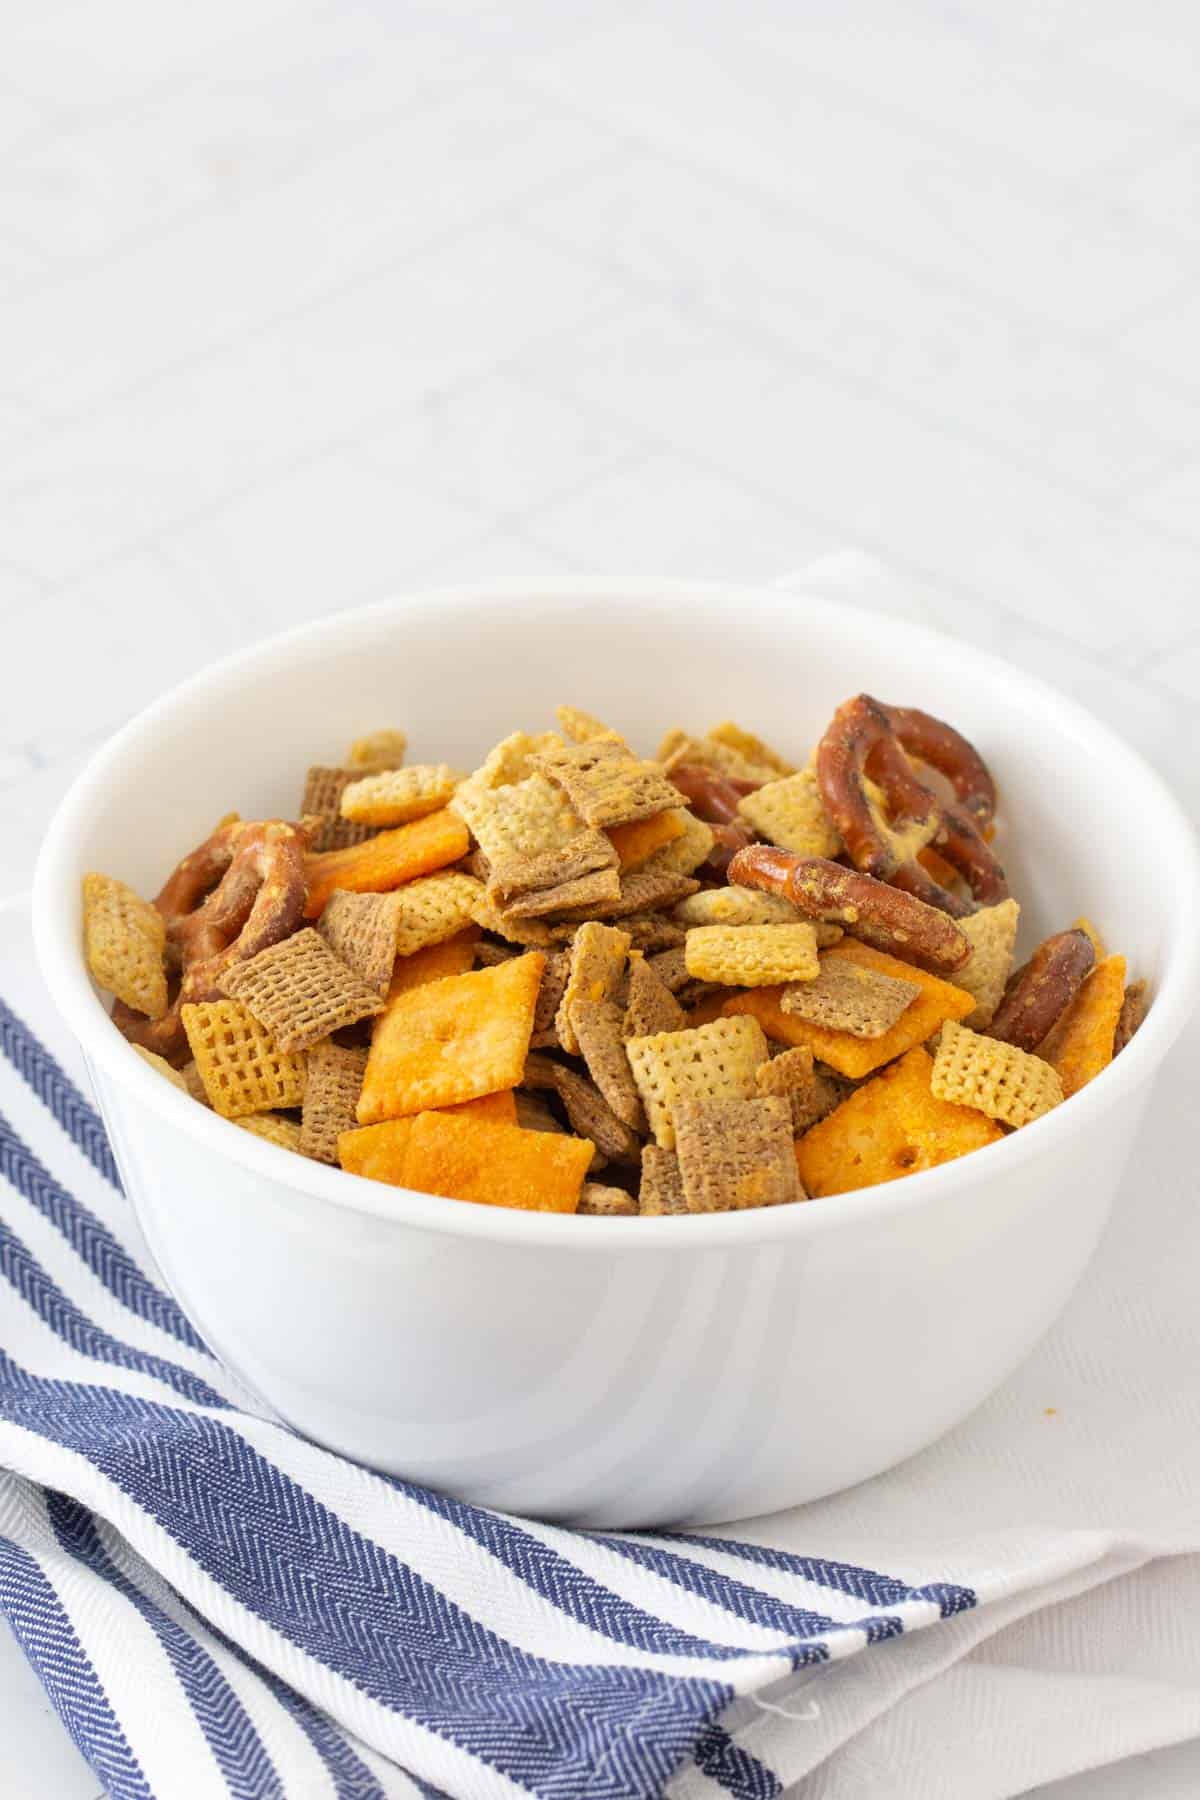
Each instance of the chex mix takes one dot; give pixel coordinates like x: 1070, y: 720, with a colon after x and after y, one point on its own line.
x: 581, y: 979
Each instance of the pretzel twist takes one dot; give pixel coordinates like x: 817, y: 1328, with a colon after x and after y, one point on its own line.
x: 866, y: 742
x: 884, y: 916
x: 1040, y: 991
x: 714, y: 798
x: 242, y: 890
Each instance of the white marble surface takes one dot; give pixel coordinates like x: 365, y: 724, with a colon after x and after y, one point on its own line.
x: 302, y: 303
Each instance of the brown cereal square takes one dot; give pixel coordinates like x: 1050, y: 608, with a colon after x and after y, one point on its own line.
x: 531, y: 873
x: 1134, y: 1007
x: 670, y: 967
x: 752, y: 955
x: 581, y: 894
x: 335, y: 1078
x: 845, y: 997
x: 531, y: 934
x: 124, y: 939
x: 322, y: 800
x: 661, y: 1192
x: 598, y: 955
x: 716, y: 1061
x: 300, y: 990
x: 994, y: 1078
x: 652, y: 931
x: 811, y: 1093
x: 242, y: 1067
x: 597, y: 1201
x: 606, y: 784
x: 590, y: 1114
x: 597, y: 1025
x: 360, y: 929
x: 650, y: 1006
x: 736, y: 1154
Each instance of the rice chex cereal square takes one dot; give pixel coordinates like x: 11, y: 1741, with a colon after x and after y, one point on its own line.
x: 752, y: 955
x: 716, y: 1061
x: 124, y: 938
x: 996, y: 1079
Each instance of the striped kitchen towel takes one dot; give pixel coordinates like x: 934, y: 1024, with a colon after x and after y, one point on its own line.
x: 217, y: 1607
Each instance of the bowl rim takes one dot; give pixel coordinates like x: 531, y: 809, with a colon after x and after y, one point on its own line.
x: 55, y: 906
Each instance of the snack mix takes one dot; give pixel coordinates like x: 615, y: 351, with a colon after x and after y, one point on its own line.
x: 581, y: 980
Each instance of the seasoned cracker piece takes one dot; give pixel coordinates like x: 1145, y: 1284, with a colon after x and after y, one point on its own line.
x: 606, y: 784
x: 736, y: 1154
x: 746, y: 744
x: 162, y: 1067
x: 376, y: 1152
x: 451, y: 1040
x: 992, y: 934
x: 589, y: 1112
x: 378, y: 750
x: 845, y: 997
x: 853, y: 1056
x: 893, y: 1125
x: 433, y: 909
x: 792, y: 1077
x: 466, y: 1158
x: 124, y: 938
x: 685, y: 854
x: 276, y: 1128
x: 704, y: 1062
x: 242, y: 1067
x: 394, y: 796
x: 335, y: 1078
x: 752, y: 955
x: 661, y: 1191
x: 386, y: 860
x: 598, y: 955
x: 1082, y: 1042
x: 637, y: 842
x: 790, y: 813
x: 735, y: 906
x: 584, y: 893
x: 596, y: 1201
x: 1134, y: 1008
x: 361, y: 929
x: 322, y: 802
x: 650, y: 1006
x: 597, y: 1025
x: 997, y: 1079
x: 300, y: 991
x: 580, y: 727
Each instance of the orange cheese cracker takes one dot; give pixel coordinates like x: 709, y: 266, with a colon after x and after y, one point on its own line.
x: 377, y: 1151
x: 936, y: 1002
x: 435, y: 962
x: 451, y: 1040
x: 638, y: 840
x: 386, y: 860
x: 1081, y: 1044
x: 469, y: 1158
x: 891, y: 1126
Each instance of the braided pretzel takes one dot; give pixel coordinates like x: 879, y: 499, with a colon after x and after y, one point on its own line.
x: 867, y: 741
x: 1040, y: 991
x: 884, y: 916
x: 242, y: 890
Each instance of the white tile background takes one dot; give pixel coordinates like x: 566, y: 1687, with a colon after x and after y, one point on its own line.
x: 302, y: 303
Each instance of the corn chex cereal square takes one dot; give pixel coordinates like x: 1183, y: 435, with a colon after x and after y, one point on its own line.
x: 162, y: 1067
x: 710, y: 752
x: 511, y: 760
x: 606, y: 784
x: 512, y: 823
x: 124, y: 938
x: 451, y: 1040
x: 752, y: 955
x: 275, y: 1128
x: 242, y: 1067
x: 300, y: 991
x: 580, y: 727
x: 992, y: 935
x: 598, y: 1031
x: 394, y: 796
x: 997, y: 1079
x: 598, y: 955
x: 322, y: 800
x: 716, y: 1061
x: 845, y: 997
x: 434, y: 908
x: 790, y: 813
x: 335, y: 1078
x: 736, y: 1154
x: 531, y: 934
x: 360, y: 929
x: 752, y: 747
x: 661, y: 1192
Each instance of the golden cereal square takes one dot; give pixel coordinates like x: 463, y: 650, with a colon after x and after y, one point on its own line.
x: 378, y: 750
x: 735, y: 906
x: 434, y: 908
x: 394, y: 796
x: 466, y: 1158
x: 704, y: 1062
x: 516, y: 821
x: 997, y: 1079
x: 684, y: 854
x: 992, y: 935
x: 790, y: 813
x: 162, y: 1067
x: 892, y: 1126
x: 451, y: 1040
x: 747, y: 744
x: 752, y: 955
x: 273, y: 1128
x: 241, y: 1065
x: 124, y: 938
x: 580, y: 727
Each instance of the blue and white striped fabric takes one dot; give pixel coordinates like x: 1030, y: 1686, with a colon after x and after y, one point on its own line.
x: 217, y: 1607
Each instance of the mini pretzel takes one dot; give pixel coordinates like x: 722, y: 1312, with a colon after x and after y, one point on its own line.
x: 242, y: 890
x: 868, y: 740
x: 880, y: 915
x: 712, y: 796
x: 1040, y: 991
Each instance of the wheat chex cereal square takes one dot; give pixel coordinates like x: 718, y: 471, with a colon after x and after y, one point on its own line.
x: 434, y: 908
x: 529, y: 873
x: 790, y: 813
x: 650, y: 932
x: 752, y: 955
x: 394, y: 796
x: 736, y: 1154
x: 300, y: 991
x: 322, y: 800
x: 716, y: 1061
x: 378, y: 750
x: 606, y: 784
x: 360, y: 929
x: 598, y: 955
x: 451, y: 1040
x: 1134, y: 1007
x: 581, y: 894
x: 599, y: 1201
x: 650, y: 1005
x: 670, y: 966
x: 597, y: 1025
x: 661, y: 1192
x: 810, y: 1093
x: 275, y: 1128
x: 996, y: 1079
x: 242, y: 1067
x: 124, y: 938
x: 335, y: 1078
x: 992, y: 934
x: 845, y: 997
x: 531, y: 934
x: 589, y: 1113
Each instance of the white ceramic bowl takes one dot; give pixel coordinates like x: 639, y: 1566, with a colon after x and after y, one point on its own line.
x: 622, y: 1372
